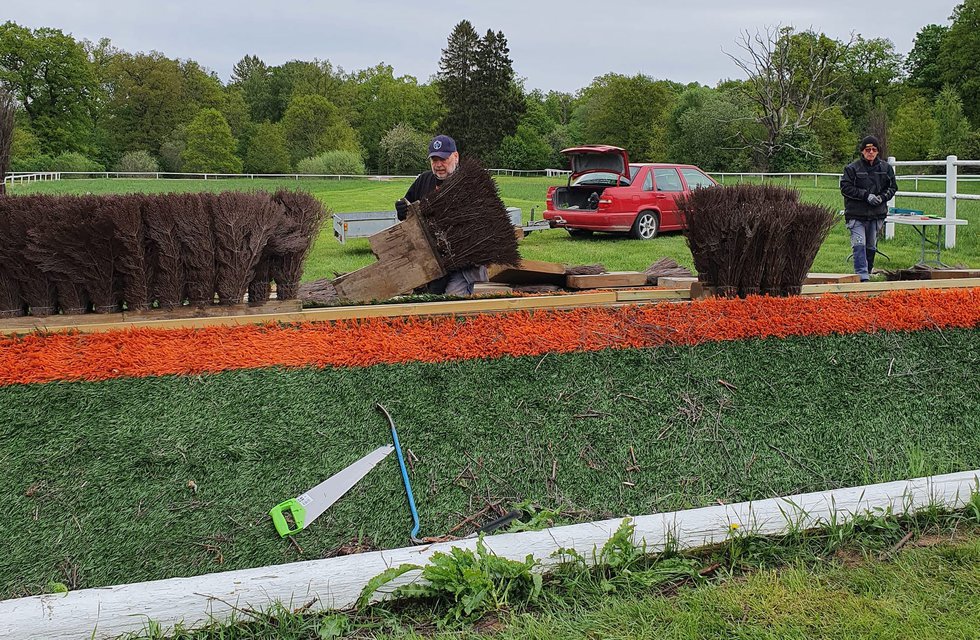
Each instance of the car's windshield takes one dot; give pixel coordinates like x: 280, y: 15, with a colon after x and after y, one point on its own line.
x: 601, y: 178
x: 634, y: 169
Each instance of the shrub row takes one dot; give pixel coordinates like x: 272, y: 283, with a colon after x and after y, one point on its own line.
x: 752, y: 239
x: 103, y: 253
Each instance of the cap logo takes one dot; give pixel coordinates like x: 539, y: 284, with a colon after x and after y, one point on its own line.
x: 437, y: 145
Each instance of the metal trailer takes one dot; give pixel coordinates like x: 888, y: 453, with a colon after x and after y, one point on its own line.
x: 363, y: 224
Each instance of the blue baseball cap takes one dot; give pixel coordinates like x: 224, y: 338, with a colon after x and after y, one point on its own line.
x: 442, y: 147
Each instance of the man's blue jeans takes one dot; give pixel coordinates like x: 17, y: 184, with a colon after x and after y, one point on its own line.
x: 864, y: 243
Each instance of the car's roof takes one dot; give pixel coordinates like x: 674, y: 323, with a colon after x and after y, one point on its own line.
x: 665, y: 164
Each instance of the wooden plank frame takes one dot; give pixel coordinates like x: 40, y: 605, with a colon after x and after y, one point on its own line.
x: 336, y: 583
x: 14, y: 326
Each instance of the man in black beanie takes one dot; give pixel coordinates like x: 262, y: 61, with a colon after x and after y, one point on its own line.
x: 867, y: 185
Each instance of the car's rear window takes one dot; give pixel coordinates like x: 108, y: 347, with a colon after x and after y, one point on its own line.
x: 602, y: 179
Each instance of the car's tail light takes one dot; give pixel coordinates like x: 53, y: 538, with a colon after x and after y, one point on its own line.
x: 604, y: 203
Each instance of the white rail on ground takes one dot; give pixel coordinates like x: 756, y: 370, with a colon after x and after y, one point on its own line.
x: 335, y: 583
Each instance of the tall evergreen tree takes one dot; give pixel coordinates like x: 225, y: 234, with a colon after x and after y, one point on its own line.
x: 476, y: 83
x: 455, y: 83
x: 499, y: 101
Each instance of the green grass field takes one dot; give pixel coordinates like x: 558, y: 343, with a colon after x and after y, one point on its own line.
x: 617, y: 253
x: 927, y: 590
x: 95, y: 489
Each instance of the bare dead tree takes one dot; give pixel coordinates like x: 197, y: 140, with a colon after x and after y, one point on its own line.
x: 878, y: 127
x: 792, y: 81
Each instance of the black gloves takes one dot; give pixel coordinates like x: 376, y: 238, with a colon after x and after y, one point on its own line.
x: 401, y: 208
x: 873, y: 200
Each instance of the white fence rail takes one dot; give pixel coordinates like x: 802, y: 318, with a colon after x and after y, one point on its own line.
x: 951, y: 194
x: 24, y: 177
x: 951, y: 179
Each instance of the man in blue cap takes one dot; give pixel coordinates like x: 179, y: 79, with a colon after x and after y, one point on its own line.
x: 443, y: 158
x: 867, y: 185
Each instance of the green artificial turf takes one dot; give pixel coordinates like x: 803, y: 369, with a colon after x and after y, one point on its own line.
x: 97, y: 490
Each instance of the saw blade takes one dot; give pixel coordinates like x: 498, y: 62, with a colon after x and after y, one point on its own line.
x: 319, y: 498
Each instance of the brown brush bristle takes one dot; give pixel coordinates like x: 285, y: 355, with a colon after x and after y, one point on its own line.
x: 192, y: 214
x: 666, y: 268
x: 750, y: 239
x: 302, y: 216
x: 162, y: 252
x: 242, y: 224
x: 585, y: 270
x: 469, y: 221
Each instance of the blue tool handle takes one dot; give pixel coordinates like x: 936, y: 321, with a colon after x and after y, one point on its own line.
x: 408, y: 485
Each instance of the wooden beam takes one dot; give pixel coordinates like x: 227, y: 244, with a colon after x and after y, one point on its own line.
x: 13, y: 326
x: 336, y: 583
x: 529, y: 272
x: 945, y: 274
x: 831, y: 278
x: 406, y: 260
x: 676, y: 282
x: 611, y: 279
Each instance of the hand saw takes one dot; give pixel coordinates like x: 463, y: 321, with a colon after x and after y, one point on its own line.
x: 307, y: 507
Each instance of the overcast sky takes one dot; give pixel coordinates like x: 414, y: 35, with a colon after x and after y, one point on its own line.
x: 554, y: 45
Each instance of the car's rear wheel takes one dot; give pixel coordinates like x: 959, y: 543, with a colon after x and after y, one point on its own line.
x: 646, y: 226
x: 580, y: 233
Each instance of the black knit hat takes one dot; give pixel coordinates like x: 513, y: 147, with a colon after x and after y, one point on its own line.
x: 869, y: 140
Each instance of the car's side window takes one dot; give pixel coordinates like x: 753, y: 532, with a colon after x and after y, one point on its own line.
x: 696, y: 179
x: 668, y: 180
x: 648, y: 182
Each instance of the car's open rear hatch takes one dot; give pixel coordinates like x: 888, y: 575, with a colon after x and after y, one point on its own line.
x: 597, y: 157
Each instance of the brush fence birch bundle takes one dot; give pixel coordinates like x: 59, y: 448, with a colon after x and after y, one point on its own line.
x: 751, y: 239
x: 463, y: 224
x: 336, y: 583
x: 81, y: 253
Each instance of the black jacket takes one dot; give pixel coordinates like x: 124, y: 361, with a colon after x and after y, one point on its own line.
x: 425, y: 184
x: 860, y: 179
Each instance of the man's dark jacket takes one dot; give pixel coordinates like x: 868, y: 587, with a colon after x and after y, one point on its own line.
x: 424, y: 184
x: 860, y: 179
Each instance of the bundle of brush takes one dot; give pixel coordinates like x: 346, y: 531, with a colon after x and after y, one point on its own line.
x: 665, y: 268
x: 468, y: 221
x: 7, y: 109
x: 751, y: 238
x: 808, y: 228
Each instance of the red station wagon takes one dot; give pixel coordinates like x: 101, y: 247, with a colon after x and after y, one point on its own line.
x: 607, y: 193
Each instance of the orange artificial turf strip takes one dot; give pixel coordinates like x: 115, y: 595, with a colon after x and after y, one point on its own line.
x: 353, y: 343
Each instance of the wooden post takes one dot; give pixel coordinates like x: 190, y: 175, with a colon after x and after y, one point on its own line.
x: 406, y: 259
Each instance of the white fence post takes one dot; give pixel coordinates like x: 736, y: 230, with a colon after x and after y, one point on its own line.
x: 889, y: 226
x: 950, y: 201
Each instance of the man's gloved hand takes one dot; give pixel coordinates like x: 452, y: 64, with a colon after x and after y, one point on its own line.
x: 873, y: 200
x: 401, y: 208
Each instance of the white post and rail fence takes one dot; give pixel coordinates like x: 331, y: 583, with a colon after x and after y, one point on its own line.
x: 336, y: 583
x: 951, y: 179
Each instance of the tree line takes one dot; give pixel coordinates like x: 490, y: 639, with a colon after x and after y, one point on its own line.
x: 801, y: 101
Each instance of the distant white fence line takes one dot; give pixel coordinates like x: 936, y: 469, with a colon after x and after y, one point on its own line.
x: 22, y: 177
x: 951, y: 194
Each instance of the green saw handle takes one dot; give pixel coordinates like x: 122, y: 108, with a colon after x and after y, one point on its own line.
x: 296, y: 511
